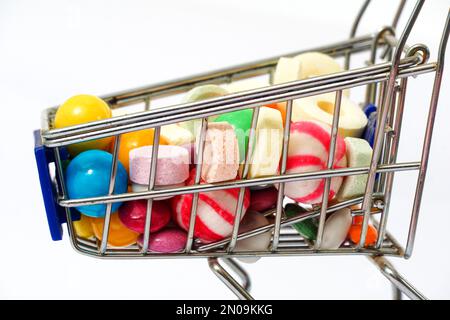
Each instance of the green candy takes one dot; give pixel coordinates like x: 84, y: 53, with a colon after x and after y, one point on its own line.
x: 241, y: 121
x: 306, y: 228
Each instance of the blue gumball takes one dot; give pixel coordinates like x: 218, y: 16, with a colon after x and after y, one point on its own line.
x: 87, y: 175
x: 369, y: 133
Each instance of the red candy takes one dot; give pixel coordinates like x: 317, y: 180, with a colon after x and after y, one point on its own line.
x: 132, y: 215
x: 263, y: 199
x: 215, y: 211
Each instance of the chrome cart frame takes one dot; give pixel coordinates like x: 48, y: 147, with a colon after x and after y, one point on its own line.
x: 386, y: 86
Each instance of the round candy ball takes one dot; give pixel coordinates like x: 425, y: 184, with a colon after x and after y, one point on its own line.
x: 118, y: 236
x: 263, y: 199
x: 168, y: 240
x: 87, y: 175
x: 133, y: 213
x: 81, y: 109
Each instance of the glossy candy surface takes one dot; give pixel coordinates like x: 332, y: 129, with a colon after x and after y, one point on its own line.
x: 168, y: 240
x: 83, y: 227
x: 87, y: 175
x: 133, y: 140
x: 119, y: 235
x: 81, y: 109
x: 132, y: 214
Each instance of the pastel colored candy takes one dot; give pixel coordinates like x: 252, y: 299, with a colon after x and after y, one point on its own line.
x: 263, y: 199
x: 119, y: 235
x: 88, y: 174
x: 245, y: 85
x: 144, y: 187
x: 336, y: 229
x: 168, y: 240
x: 133, y: 140
x: 199, y: 93
x: 268, y: 143
x: 287, y: 69
x: 176, y: 135
x: 215, y: 212
x: 241, y: 121
x: 352, y: 120
x: 308, y: 151
x: 359, y: 154
x: 132, y: 214
x: 261, y: 242
x: 172, y: 165
x: 83, y: 227
x: 220, y: 153
x: 314, y: 64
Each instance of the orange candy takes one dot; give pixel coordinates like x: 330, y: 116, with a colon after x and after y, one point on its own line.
x: 132, y: 140
x: 280, y: 107
x: 354, y: 233
x: 119, y: 235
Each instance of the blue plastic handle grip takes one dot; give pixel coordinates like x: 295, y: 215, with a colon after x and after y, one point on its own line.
x: 56, y: 214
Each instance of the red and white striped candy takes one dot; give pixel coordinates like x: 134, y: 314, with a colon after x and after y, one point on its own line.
x: 215, y: 212
x: 309, y: 146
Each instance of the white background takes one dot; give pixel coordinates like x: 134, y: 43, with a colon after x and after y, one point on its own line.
x: 51, y: 50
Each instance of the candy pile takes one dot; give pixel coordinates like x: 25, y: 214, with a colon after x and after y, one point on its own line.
x: 225, y: 149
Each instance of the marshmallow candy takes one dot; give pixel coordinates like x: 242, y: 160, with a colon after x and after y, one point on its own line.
x: 132, y: 214
x: 199, y: 93
x: 336, y: 229
x: 268, y: 143
x: 359, y: 154
x: 251, y: 221
x: 176, y: 135
x: 215, y: 212
x: 168, y: 240
x: 352, y: 119
x: 220, y: 153
x: 308, y: 151
x: 172, y: 166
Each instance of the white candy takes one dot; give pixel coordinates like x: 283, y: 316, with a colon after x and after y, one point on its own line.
x: 336, y: 229
x: 253, y: 220
x: 288, y: 69
x: 359, y: 154
x: 176, y: 135
x: 244, y: 85
x: 313, y: 64
x: 352, y: 119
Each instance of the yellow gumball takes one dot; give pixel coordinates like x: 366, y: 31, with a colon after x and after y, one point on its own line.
x: 83, y: 227
x: 81, y: 109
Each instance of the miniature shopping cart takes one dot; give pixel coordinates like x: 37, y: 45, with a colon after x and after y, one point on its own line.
x: 385, y: 83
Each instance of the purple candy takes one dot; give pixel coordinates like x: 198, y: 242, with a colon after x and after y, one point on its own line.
x: 168, y: 240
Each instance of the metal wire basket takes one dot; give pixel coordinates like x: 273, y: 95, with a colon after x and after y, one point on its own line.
x: 385, y: 84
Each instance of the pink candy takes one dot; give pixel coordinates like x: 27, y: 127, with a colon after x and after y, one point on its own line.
x: 132, y: 215
x: 169, y: 240
x: 308, y: 151
x: 172, y: 165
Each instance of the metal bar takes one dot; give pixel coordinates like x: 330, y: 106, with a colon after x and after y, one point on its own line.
x: 330, y: 164
x: 388, y: 270
x: 248, y: 156
x: 398, y: 14
x: 355, y: 25
x: 198, y: 168
x: 284, y: 155
x: 112, y: 182
x: 359, y: 76
x: 237, y: 268
x: 392, y: 159
x: 427, y: 138
x: 367, y: 203
x: 151, y: 185
x: 228, y: 280
x: 287, y: 222
x: 406, y: 166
